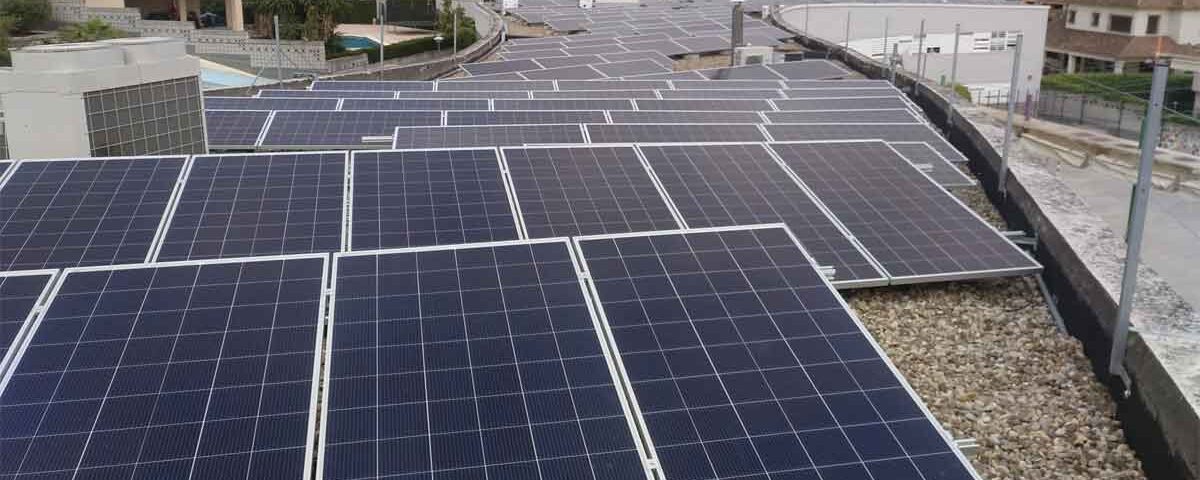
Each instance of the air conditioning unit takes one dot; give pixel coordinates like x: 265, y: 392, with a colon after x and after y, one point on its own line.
x: 753, y: 55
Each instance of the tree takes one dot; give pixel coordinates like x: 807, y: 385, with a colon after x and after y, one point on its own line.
x: 5, y: 27
x: 466, y: 24
x: 26, y: 15
x: 298, y: 19
x: 90, y: 31
x: 264, y: 10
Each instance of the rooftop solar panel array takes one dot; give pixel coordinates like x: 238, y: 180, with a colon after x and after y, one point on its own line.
x: 334, y: 129
x: 910, y: 132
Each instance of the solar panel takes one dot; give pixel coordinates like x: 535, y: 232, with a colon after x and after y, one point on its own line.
x: 691, y: 133
x: 510, y: 47
x: 726, y: 84
x: 413, y: 104
x: 748, y: 72
x: 643, y: 38
x: 664, y: 47
x: 808, y: 69
x: 915, y: 230
x: 259, y: 204
x: 535, y: 53
x: 486, y: 362
x: 429, y: 197
x: 490, y: 68
x: 568, y: 61
x: 630, y: 68
x: 578, y: 72
x: 20, y: 292
x: 392, y: 86
x: 334, y: 129
x: 68, y: 213
x: 234, y: 128
x: 746, y: 364
x: 895, y: 115
x: 595, y: 50
x: 719, y: 94
x: 741, y: 184
x: 486, y: 135
x: 595, y: 94
x: 252, y: 103
x: 562, y: 191
x: 913, y: 132
x: 459, y: 95
x: 472, y: 85
x: 840, y: 92
x: 197, y: 370
x: 524, y: 117
x: 664, y: 116
x: 941, y: 171
x: 861, y: 103
x: 738, y: 105
x: 704, y: 44
x: 326, y: 93
x: 842, y: 83
x: 650, y: 55
x: 612, y: 85
x: 563, y: 104
x: 688, y: 75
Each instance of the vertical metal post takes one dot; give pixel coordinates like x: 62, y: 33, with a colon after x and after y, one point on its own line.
x: 738, y: 26
x: 846, y: 38
x: 381, y: 5
x: 885, y: 35
x: 954, y: 67
x: 455, y: 7
x: 278, y: 53
x: 1137, y: 217
x: 892, y: 70
x: 920, y: 51
x: 1120, y: 114
x: 1012, y: 104
x: 806, y: 11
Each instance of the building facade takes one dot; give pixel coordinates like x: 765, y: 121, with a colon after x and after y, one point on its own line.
x: 1121, y: 35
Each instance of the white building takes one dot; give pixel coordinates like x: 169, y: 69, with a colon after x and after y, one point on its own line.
x: 1121, y: 35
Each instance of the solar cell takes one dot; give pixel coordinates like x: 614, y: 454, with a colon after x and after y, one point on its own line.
x: 840, y: 92
x: 563, y: 104
x: 578, y: 72
x: 490, y: 68
x: 746, y: 364
x: 252, y: 103
x: 664, y: 116
x: 594, y: 94
x: 719, y: 94
x: 413, y: 104
x: 68, y: 213
x: 524, y: 117
x: 742, y: 105
x: 481, y: 361
x: 612, y: 85
x: 196, y: 370
x: 429, y: 197
x: 234, y: 128
x: 895, y: 115
x: 912, y: 132
x: 259, y: 204
x: 394, y: 86
x: 859, y: 103
x: 568, y: 61
x: 486, y: 135
x: 915, y: 230
x: 20, y: 292
x: 748, y: 72
x: 808, y: 69
x: 741, y: 184
x: 326, y: 93
x: 726, y: 85
x: 562, y: 191
x: 469, y: 85
x: 691, y: 133
x: 940, y: 170
x: 629, y: 68
x: 344, y: 129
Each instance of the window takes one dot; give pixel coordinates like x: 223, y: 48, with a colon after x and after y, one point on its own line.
x: 933, y: 49
x: 1152, y: 25
x: 1095, y: 19
x: 1120, y: 23
x: 1071, y: 17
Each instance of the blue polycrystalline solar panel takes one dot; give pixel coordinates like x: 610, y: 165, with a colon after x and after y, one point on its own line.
x: 468, y: 84
x: 19, y: 293
x: 895, y: 115
x: 845, y: 83
x: 662, y: 116
x: 578, y: 72
x: 940, y: 170
x: 253, y: 103
x: 477, y: 362
x: 327, y: 93
x: 568, y: 61
x: 630, y: 67
x: 429, y: 197
x: 68, y: 213
x: 741, y: 184
x: 749, y: 72
x: 808, y: 69
x: 687, y: 75
x: 590, y: 94
x: 333, y: 129
x: 524, y: 117
x: 486, y: 136
x: 243, y: 205
x: 393, y: 86
x: 414, y: 104
x: 856, y: 103
x: 738, y: 105
x: 746, y: 364
x: 719, y: 94
x: 840, y: 92
x: 234, y: 128
x: 561, y: 104
x: 585, y: 190
x: 490, y: 68
x: 169, y: 371
x: 465, y: 94
x: 612, y: 85
x: 915, y: 229
x: 726, y: 85
x: 542, y: 51
x: 912, y: 132
x: 511, y: 76
x: 690, y: 133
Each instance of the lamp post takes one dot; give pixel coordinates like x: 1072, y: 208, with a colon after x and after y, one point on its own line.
x: 438, y: 39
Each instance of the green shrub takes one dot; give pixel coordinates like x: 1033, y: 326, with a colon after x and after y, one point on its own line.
x: 89, y: 31
x: 26, y: 14
x: 402, y: 49
x: 1127, y: 87
x: 962, y: 91
x: 5, y: 27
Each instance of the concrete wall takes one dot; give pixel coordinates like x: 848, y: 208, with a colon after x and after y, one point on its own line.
x: 828, y: 22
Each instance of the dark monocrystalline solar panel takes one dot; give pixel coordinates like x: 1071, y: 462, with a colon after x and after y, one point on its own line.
x: 460, y: 95
x: 524, y: 117
x: 486, y: 135
x: 808, y: 69
x: 19, y: 293
x: 691, y: 133
x: 510, y: 76
x: 612, y: 85
x: 476, y: 362
x: 915, y: 229
x: 253, y: 103
x: 643, y: 38
x: 895, y: 115
x: 592, y: 94
x: 650, y: 55
x: 243, y: 205
x: 326, y: 93
x: 742, y: 105
x: 662, y: 116
x: 234, y: 128
x: 169, y: 371
x: 688, y: 75
x: 390, y: 86
x: 859, y: 103
x: 749, y: 72
x: 704, y: 44
x: 429, y: 197
x: 541, y: 52
x: 726, y: 85
x: 578, y: 72
x: 941, y: 171
x: 510, y: 47
x: 724, y: 185
x: 595, y: 50
x: 585, y: 190
x: 719, y: 94
x: 915, y: 132
x: 471, y: 85
x: 629, y: 68
x: 562, y: 104
x: 339, y: 129
x: 569, y: 61
x: 664, y: 47
x: 490, y: 68
x: 746, y: 364
x: 71, y: 213
x: 414, y: 104
x: 840, y: 92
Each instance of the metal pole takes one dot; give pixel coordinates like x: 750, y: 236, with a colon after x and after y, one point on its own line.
x: 455, y: 7
x: 846, y: 39
x: 892, y: 70
x: 278, y: 53
x: 382, y: 7
x: 738, y: 26
x: 806, y: 10
x: 885, y: 35
x: 1137, y: 216
x: 954, y: 67
x: 1012, y: 104
x: 920, y: 51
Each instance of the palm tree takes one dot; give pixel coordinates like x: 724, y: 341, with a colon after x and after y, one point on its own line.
x: 265, y: 9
